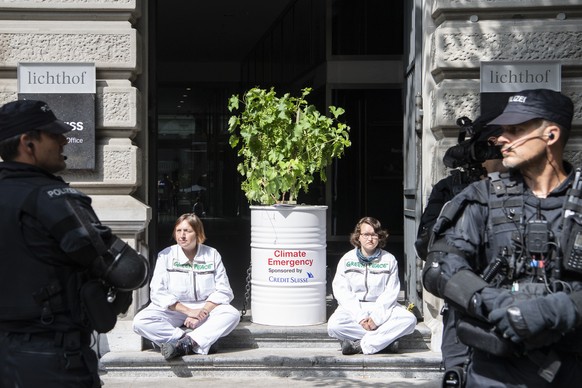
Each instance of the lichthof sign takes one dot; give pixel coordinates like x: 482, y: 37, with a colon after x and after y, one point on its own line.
x: 499, y: 79
x: 519, y: 75
x: 69, y: 89
x: 56, y: 78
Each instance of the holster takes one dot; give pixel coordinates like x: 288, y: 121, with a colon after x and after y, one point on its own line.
x: 481, y: 336
x: 101, y: 313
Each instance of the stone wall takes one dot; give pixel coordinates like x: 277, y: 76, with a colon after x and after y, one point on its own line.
x: 101, y: 32
x: 462, y: 33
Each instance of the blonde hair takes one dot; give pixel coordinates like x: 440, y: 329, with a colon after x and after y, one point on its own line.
x: 195, y: 223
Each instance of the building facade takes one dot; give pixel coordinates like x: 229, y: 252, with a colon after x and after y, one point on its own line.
x: 108, y: 34
x: 410, y: 91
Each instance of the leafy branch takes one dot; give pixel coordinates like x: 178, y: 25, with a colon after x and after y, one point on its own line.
x: 283, y: 142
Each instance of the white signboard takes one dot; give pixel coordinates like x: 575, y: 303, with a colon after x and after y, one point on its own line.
x: 60, y: 78
x: 514, y: 76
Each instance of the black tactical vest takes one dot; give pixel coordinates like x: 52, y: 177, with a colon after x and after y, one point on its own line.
x: 524, y: 228
x: 33, y: 294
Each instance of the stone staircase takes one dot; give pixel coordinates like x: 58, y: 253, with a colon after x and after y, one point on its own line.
x: 276, y: 351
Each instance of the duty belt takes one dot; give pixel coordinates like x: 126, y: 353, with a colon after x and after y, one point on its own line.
x: 74, y: 344
x: 68, y: 340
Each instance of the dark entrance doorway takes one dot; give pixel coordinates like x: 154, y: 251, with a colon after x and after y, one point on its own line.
x: 348, y: 51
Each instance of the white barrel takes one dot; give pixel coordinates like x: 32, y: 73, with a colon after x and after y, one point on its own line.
x: 288, y: 279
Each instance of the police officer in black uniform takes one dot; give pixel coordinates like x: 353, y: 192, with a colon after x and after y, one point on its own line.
x: 63, y: 275
x: 473, y: 159
x: 501, y: 254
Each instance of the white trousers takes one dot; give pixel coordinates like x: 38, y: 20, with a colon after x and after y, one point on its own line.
x: 342, y: 325
x: 161, y: 325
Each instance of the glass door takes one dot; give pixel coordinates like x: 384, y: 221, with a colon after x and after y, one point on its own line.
x: 196, y: 171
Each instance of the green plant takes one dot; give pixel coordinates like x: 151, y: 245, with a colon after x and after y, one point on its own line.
x: 283, y: 141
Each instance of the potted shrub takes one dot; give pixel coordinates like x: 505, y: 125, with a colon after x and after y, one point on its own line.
x: 284, y: 142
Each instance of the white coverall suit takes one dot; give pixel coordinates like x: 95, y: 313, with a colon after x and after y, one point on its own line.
x: 369, y: 290
x: 175, y: 280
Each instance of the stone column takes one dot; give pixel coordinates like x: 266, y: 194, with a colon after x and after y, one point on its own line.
x: 101, y: 32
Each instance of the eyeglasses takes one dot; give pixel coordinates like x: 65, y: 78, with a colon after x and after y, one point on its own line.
x: 373, y: 236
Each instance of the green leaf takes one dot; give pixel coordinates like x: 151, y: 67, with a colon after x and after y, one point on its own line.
x: 233, y: 102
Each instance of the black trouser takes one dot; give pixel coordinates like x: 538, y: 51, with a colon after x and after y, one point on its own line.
x: 47, y: 360
x: 486, y: 370
x: 454, y: 352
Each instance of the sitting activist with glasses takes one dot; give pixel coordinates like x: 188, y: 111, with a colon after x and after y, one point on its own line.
x: 190, y: 295
x: 366, y: 286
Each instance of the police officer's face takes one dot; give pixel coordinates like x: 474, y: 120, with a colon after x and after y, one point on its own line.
x: 368, y: 239
x: 523, y: 144
x: 185, y: 236
x: 48, y: 151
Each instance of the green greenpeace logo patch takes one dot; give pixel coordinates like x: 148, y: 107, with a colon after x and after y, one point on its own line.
x: 176, y: 264
x: 195, y: 266
x: 203, y: 267
x: 357, y: 264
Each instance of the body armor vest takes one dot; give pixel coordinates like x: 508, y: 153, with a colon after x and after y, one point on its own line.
x: 30, y: 289
x: 523, y: 232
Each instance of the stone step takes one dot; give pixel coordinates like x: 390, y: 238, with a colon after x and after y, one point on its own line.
x: 251, y: 335
x: 261, y: 351
x: 280, y: 362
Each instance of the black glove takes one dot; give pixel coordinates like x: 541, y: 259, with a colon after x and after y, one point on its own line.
x: 508, y: 298
x: 483, y: 302
x: 489, y: 299
x: 527, y: 318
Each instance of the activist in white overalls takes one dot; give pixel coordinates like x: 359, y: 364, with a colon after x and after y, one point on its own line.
x: 366, y: 287
x: 189, y: 290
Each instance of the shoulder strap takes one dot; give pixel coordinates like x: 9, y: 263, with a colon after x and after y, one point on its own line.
x: 506, y: 199
x: 474, y: 193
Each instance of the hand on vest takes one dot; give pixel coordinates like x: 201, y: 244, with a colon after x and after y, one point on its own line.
x: 487, y: 300
x: 483, y: 301
x: 508, y: 298
x: 527, y: 318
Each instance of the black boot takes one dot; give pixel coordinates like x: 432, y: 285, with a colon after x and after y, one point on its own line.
x: 181, y: 348
x: 351, y: 347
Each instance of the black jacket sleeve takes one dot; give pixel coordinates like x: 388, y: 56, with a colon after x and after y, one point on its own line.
x: 65, y: 217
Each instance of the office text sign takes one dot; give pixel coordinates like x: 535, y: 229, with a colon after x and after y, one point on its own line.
x: 69, y: 89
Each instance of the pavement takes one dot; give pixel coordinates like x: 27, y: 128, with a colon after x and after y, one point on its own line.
x: 265, y: 382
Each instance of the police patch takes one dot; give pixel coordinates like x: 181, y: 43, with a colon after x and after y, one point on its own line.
x: 60, y: 191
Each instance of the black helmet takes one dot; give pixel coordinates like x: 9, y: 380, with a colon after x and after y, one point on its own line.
x: 127, y: 269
